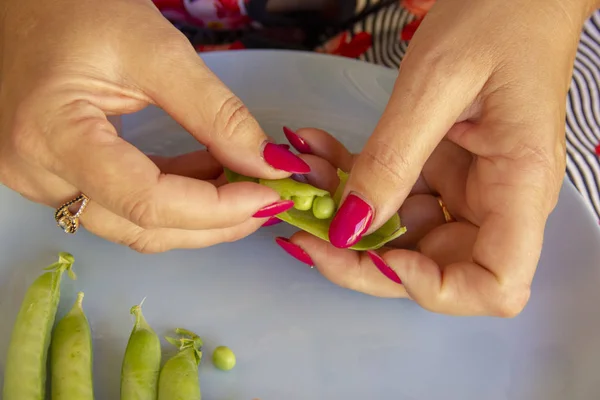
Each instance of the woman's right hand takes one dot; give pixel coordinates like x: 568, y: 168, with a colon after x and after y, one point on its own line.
x: 68, y: 64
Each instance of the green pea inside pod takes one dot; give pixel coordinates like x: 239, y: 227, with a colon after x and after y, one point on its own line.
x: 323, y: 207
x: 316, y: 218
x: 303, y: 203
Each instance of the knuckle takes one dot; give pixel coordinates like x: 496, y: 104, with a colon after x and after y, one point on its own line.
x: 145, y: 243
x: 173, y: 41
x: 230, y: 235
x: 388, y: 163
x: 441, y: 302
x: 545, y: 166
x: 356, y: 278
x: 433, y: 58
x: 91, y: 129
x: 142, y: 212
x: 438, y: 63
x: 511, y: 301
x: 231, y: 117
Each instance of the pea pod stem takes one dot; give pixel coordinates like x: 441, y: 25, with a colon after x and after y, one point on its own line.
x: 64, y: 263
x: 25, y: 367
x: 189, y: 340
x: 141, y: 363
x: 179, y: 376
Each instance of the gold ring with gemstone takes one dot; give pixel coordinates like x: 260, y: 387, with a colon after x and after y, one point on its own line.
x: 447, y: 216
x: 65, y: 219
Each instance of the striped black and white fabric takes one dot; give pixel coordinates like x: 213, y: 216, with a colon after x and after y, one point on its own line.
x: 583, y: 115
x: 583, y: 111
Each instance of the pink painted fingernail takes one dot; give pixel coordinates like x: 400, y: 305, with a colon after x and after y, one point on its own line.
x: 281, y: 158
x: 274, y: 209
x: 296, y: 141
x: 285, y: 146
x: 350, y: 223
x: 294, y: 250
x: 271, y: 221
x: 383, y: 267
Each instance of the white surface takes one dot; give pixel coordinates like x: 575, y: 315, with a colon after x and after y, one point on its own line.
x: 297, y: 336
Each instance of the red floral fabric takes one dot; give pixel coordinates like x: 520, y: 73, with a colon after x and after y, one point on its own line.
x: 211, y: 14
x: 417, y: 7
x: 346, y: 46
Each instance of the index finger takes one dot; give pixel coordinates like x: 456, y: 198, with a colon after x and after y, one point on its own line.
x: 87, y: 153
x: 417, y: 117
x: 197, y: 99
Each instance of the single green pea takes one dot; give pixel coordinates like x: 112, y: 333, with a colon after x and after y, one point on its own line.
x: 303, y: 203
x: 141, y: 363
x: 323, y: 207
x: 25, y: 367
x: 71, y: 356
x: 178, y: 378
x: 223, y: 358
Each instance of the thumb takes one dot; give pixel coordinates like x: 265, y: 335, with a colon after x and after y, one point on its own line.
x: 424, y: 105
x: 187, y: 89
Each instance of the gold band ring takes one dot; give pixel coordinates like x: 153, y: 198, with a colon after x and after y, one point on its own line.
x: 65, y: 219
x: 447, y: 216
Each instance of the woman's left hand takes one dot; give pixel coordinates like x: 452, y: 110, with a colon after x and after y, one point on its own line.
x: 477, y: 117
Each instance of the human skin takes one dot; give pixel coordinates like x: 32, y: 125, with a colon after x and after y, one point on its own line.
x: 66, y: 66
x: 477, y: 115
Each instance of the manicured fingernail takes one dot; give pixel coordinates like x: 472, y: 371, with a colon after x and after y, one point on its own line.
x: 383, y: 267
x: 285, y: 146
x: 271, y: 221
x: 283, y: 159
x: 274, y: 209
x: 296, y: 141
x: 294, y: 250
x: 350, y: 223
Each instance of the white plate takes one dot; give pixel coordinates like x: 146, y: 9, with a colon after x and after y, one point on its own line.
x: 297, y: 336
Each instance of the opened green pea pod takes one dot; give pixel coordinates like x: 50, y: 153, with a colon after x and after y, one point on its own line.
x: 315, y: 208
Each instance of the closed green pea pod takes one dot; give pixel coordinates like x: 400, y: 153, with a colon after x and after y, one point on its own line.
x: 25, y: 368
x: 71, y: 356
x: 318, y: 223
x: 141, y: 363
x: 179, y: 376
